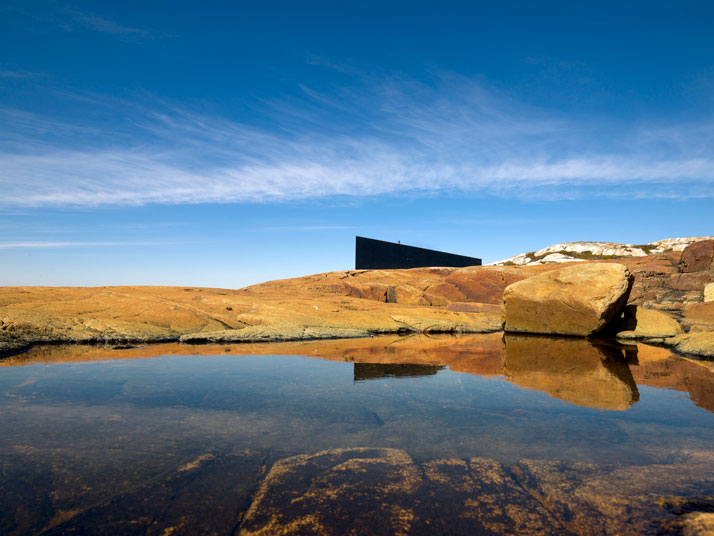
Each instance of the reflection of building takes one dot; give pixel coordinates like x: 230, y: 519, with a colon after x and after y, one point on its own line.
x: 373, y: 254
x: 373, y: 371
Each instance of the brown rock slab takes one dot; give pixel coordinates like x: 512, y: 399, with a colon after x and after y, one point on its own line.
x: 696, y: 524
x: 577, y: 300
x: 612, y: 500
x: 573, y: 370
x: 699, y: 316
x: 195, y: 497
x: 365, y: 491
x: 640, y: 323
x: 698, y: 256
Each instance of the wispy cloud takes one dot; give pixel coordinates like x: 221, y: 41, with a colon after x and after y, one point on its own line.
x: 389, y: 136
x: 44, y: 245
x: 103, y: 25
x: 307, y: 228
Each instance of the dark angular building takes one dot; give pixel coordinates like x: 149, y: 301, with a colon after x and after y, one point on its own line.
x: 373, y: 254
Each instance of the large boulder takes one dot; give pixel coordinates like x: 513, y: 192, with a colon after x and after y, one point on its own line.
x: 577, y: 300
x: 698, y: 256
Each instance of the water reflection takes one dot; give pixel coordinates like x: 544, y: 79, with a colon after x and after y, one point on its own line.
x: 575, y: 370
x: 224, y: 444
x: 373, y: 371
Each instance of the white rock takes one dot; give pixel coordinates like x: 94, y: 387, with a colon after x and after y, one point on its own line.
x: 709, y: 292
x: 559, y: 252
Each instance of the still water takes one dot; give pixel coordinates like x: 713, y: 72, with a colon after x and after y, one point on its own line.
x: 384, y: 436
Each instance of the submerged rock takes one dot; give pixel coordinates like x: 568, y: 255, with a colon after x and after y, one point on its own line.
x: 576, y: 300
x: 573, y: 370
x: 362, y: 491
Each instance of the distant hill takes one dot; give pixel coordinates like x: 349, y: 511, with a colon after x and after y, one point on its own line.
x: 585, y: 251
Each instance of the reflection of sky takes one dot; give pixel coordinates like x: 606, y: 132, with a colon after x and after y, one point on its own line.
x: 296, y: 404
x: 243, y: 134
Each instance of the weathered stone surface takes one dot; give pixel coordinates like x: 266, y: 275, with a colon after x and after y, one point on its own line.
x: 10, y: 345
x: 697, y: 524
x: 195, y: 497
x: 576, y: 300
x: 700, y: 343
x: 153, y: 314
x: 271, y: 334
x: 573, y: 370
x: 364, y: 491
x: 698, y: 256
x: 698, y: 317
x: 640, y: 323
x: 612, y: 500
x: 384, y: 491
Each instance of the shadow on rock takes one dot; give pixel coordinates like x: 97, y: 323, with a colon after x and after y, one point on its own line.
x: 577, y: 371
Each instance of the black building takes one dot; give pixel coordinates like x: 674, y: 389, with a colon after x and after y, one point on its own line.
x: 373, y: 254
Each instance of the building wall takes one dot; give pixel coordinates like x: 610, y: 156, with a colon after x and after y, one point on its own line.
x: 373, y: 254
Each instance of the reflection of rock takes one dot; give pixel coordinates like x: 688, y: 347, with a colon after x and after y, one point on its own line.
x: 573, y: 370
x: 657, y: 367
x: 373, y: 371
x: 577, y: 300
x: 475, y: 354
x: 384, y: 491
x: 640, y: 323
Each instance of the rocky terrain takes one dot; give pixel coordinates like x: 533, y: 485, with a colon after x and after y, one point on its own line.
x: 587, y: 251
x: 666, y: 288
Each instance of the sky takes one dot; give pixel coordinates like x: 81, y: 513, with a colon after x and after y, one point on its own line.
x: 228, y: 143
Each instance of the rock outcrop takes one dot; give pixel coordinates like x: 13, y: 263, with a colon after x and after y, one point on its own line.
x: 577, y: 300
x: 700, y: 343
x: 640, y: 323
x: 346, y: 303
x: 589, y: 251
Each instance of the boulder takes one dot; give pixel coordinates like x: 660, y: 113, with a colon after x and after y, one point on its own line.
x: 698, y: 256
x: 577, y: 300
x: 640, y: 323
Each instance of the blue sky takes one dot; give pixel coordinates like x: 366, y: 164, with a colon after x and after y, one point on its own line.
x: 227, y: 143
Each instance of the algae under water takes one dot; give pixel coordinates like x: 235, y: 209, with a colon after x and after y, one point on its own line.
x: 448, y: 436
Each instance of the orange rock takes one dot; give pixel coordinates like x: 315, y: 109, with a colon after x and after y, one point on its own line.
x: 577, y: 300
